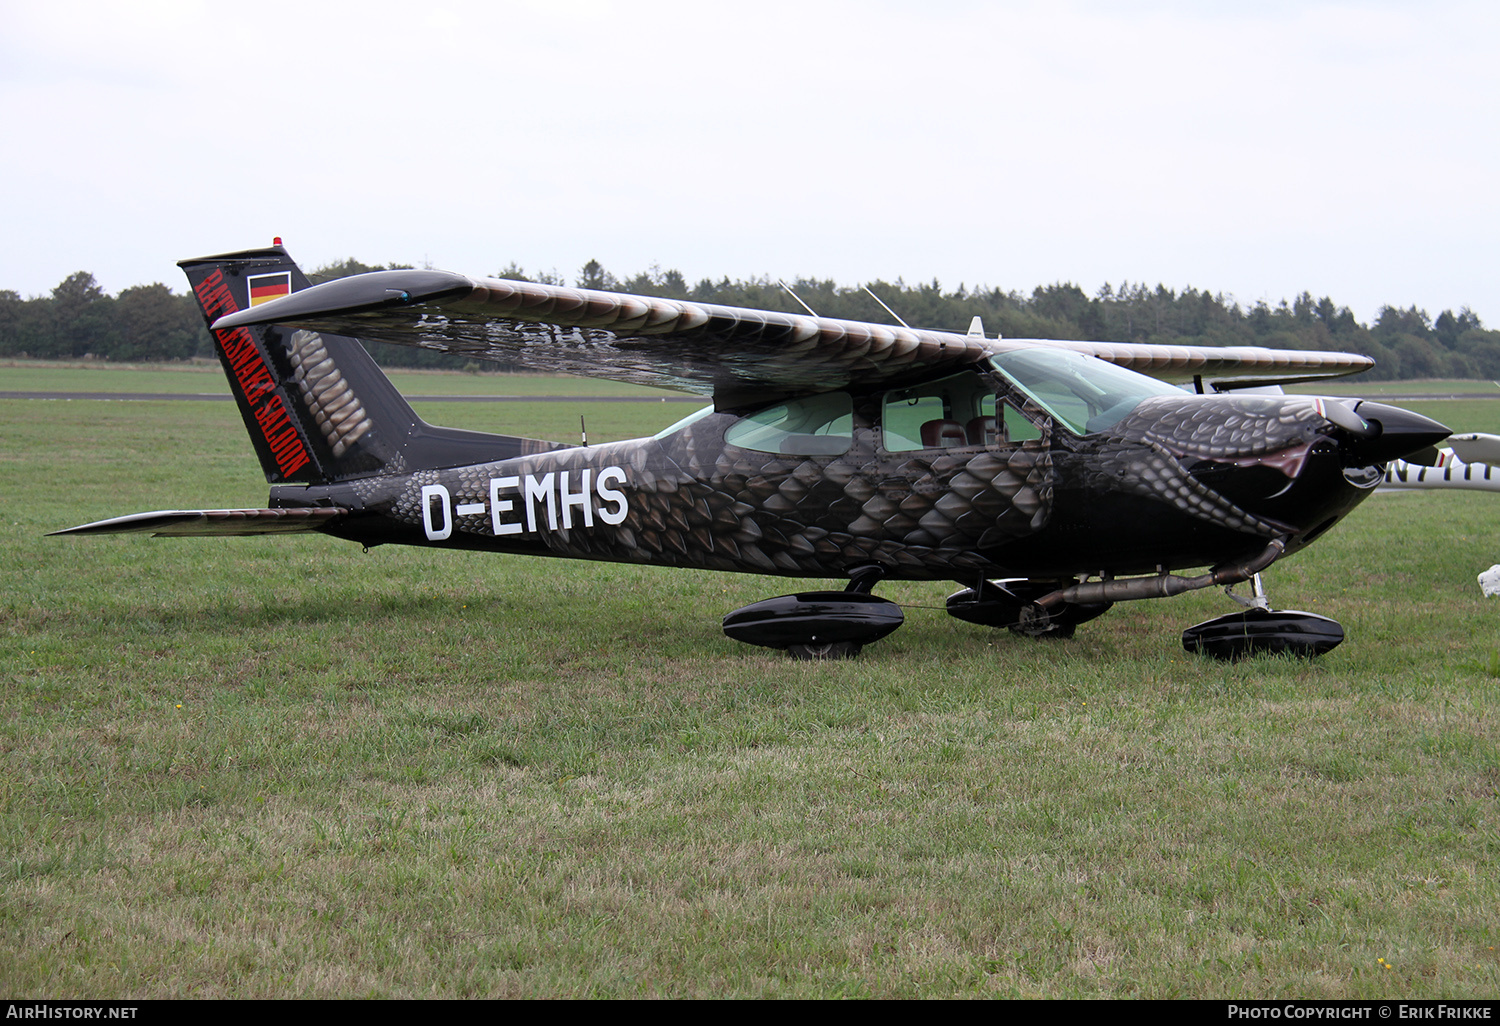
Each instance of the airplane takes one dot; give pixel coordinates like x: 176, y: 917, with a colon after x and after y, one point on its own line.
x: 1049, y: 479
x: 1469, y: 462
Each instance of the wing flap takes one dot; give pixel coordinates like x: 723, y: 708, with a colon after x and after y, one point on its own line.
x: 214, y: 523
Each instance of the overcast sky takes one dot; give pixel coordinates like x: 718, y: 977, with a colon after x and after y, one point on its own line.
x: 1256, y: 149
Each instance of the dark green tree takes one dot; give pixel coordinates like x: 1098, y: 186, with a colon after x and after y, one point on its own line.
x: 1449, y: 328
x: 1393, y: 322
x: 154, y: 324
x: 82, y: 319
x: 593, y: 276
x: 346, y: 267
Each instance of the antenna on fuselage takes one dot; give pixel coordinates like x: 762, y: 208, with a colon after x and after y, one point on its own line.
x: 796, y: 297
x: 886, y: 308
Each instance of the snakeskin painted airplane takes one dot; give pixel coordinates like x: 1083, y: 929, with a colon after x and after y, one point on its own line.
x: 1049, y: 479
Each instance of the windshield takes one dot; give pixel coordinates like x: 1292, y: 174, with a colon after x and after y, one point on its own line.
x: 1083, y: 393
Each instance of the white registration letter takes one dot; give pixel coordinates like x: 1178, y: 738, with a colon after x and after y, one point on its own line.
x: 499, y: 505
x: 445, y: 512
x: 617, y: 515
x: 536, y: 490
x: 580, y: 498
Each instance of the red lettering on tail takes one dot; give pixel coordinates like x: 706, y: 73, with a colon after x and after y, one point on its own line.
x: 256, y: 382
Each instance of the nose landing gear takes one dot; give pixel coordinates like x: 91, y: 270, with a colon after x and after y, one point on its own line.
x: 1052, y: 610
x: 1261, y: 630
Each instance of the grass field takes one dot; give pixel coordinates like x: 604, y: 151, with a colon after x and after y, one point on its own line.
x: 1359, y: 387
x: 287, y: 768
x: 207, y: 377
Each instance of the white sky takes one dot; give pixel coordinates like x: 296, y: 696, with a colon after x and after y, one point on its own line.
x: 1254, y: 148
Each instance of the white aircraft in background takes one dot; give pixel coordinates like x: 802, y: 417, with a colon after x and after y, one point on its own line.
x: 1470, y: 461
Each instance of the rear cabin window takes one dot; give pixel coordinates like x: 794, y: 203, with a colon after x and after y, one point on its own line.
x: 820, y: 425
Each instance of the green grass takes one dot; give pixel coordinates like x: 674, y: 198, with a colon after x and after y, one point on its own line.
x: 206, y: 376
x: 272, y: 767
x: 1359, y: 386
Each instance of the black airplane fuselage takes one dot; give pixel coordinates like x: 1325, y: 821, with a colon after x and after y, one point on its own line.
x: 1181, y: 481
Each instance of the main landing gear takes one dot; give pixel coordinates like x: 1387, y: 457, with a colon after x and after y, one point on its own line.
x: 819, y: 624
x: 1013, y: 603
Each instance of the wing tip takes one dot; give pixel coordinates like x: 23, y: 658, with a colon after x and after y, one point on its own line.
x: 358, y: 293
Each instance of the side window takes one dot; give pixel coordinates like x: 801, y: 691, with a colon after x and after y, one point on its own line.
x: 950, y: 412
x: 1017, y: 428
x: 820, y: 425
x: 905, y: 413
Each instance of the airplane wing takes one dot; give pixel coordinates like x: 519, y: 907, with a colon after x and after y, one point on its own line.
x: 210, y: 523
x: 1226, y: 367
x: 1475, y: 447
x: 735, y: 355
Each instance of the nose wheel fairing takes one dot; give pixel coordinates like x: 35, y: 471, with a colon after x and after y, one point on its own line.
x: 1043, y: 609
x: 1253, y: 632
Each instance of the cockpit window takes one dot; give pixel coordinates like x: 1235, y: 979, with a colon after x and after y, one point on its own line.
x: 1083, y: 393
x: 820, y: 425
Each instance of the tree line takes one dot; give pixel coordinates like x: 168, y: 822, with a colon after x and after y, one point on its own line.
x: 78, y: 320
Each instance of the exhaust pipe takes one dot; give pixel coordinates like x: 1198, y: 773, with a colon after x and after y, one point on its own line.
x: 1160, y: 586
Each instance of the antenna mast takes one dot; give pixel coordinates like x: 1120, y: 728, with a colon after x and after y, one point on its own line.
x: 886, y: 308
x: 796, y: 297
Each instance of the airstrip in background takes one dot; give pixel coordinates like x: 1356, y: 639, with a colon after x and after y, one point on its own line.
x: 697, y: 399
x: 225, y: 396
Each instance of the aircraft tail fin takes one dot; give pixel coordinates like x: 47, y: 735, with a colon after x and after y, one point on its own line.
x: 316, y: 405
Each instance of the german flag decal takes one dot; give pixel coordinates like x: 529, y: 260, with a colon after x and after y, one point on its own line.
x: 266, y: 287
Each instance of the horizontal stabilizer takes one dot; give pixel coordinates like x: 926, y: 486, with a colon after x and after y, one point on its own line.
x: 214, y: 523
